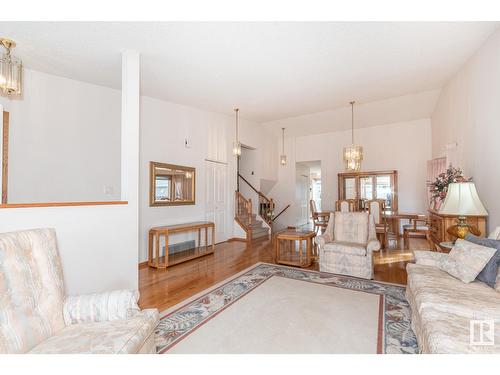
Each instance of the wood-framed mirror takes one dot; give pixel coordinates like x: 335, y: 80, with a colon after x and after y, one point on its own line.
x: 171, y: 185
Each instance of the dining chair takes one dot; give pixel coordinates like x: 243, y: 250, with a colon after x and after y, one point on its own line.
x: 319, y: 221
x: 416, y: 228
x: 376, y: 208
x: 344, y: 205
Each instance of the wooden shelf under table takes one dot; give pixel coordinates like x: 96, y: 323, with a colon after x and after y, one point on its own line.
x: 154, y: 249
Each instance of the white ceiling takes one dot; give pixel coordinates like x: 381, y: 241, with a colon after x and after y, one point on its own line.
x: 270, y: 70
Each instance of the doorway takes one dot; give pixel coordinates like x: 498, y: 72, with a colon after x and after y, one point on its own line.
x: 307, y: 187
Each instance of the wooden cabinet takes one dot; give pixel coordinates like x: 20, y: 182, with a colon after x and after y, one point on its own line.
x: 439, y: 223
x: 363, y: 186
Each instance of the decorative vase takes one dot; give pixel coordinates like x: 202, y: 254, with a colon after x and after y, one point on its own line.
x: 437, y: 204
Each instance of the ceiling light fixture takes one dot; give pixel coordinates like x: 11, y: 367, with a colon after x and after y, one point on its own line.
x: 353, y: 154
x: 11, y: 70
x: 237, y: 144
x: 283, y: 156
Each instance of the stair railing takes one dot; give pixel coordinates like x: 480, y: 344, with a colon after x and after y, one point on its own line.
x: 266, y: 205
x: 243, y: 214
x: 283, y: 210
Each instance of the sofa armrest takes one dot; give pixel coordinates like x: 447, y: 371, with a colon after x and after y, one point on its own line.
x: 100, y: 307
x: 372, y: 245
x: 323, y: 239
x: 429, y: 258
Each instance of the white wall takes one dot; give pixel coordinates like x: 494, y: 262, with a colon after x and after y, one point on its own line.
x: 468, y: 115
x: 404, y: 146
x: 64, y: 141
x: 164, y: 126
x: 393, y: 110
x: 97, y: 244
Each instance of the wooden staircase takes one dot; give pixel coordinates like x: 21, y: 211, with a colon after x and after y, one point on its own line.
x: 253, y: 223
x: 257, y: 228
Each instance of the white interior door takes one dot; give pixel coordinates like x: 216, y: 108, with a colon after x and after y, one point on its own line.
x: 216, y: 199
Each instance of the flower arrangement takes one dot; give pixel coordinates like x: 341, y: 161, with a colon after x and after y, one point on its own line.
x: 439, y: 187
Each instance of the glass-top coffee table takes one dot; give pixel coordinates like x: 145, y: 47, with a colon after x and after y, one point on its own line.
x: 295, y: 248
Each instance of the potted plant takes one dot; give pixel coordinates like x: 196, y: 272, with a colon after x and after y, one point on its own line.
x: 439, y: 187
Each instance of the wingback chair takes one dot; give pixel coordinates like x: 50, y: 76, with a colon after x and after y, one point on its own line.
x: 37, y: 317
x: 348, y: 244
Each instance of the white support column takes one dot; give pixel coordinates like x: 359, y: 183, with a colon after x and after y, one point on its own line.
x: 130, y: 138
x: 130, y: 127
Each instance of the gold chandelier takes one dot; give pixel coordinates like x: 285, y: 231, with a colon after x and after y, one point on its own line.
x: 11, y: 70
x: 353, y: 154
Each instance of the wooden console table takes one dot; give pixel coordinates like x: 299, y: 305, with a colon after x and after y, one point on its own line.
x: 154, y: 249
x: 439, y: 223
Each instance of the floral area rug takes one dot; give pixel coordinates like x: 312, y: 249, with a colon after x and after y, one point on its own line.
x: 187, y: 319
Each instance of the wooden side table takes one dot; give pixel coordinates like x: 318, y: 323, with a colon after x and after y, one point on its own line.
x: 288, y: 239
x: 155, y: 235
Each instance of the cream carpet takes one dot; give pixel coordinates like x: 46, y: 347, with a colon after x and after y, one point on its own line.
x: 284, y: 315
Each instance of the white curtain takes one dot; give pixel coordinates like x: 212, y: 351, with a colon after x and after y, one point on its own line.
x: 434, y: 168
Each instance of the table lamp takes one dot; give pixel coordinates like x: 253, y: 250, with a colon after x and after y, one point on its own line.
x: 462, y: 200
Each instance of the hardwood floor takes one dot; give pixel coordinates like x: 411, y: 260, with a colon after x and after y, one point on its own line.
x: 167, y: 287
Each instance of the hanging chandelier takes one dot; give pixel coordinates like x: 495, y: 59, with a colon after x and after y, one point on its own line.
x: 236, y: 143
x: 283, y: 156
x: 11, y: 70
x: 353, y: 154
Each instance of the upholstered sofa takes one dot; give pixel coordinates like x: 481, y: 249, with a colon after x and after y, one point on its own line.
x: 36, y: 316
x: 348, y: 244
x: 443, y: 307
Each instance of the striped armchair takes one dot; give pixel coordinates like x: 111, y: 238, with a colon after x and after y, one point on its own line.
x: 348, y: 244
x: 36, y: 316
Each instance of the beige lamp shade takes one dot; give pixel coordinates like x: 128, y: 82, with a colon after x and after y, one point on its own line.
x: 462, y: 199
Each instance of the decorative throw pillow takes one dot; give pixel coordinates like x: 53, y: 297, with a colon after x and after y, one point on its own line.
x: 497, y: 284
x: 489, y: 273
x: 466, y: 260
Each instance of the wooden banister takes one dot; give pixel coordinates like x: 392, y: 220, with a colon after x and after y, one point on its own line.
x: 283, y: 210
x: 266, y: 207
x: 243, y: 214
x: 253, y: 187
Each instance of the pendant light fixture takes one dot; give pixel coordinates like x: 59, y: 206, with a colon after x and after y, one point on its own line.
x: 353, y: 154
x: 283, y: 156
x: 236, y: 143
x: 11, y: 70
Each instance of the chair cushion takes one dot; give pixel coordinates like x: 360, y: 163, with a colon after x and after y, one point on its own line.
x: 31, y: 289
x: 443, y: 307
x: 434, y: 288
x: 351, y: 227
x: 448, y: 333
x: 350, y: 248
x: 118, y: 336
